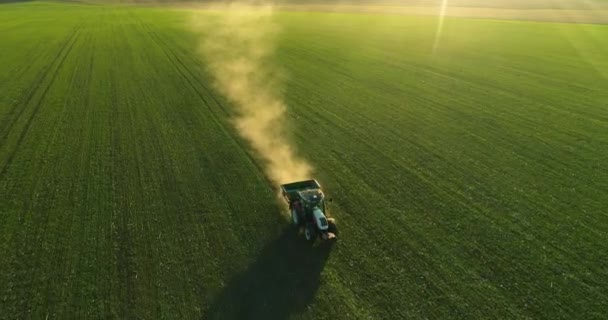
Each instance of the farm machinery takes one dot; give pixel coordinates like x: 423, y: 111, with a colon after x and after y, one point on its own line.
x: 308, y: 210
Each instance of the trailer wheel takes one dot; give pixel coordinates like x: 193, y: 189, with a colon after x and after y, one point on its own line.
x: 294, y: 217
x: 332, y: 227
x: 309, y: 233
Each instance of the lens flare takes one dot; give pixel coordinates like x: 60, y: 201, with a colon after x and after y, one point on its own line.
x: 444, y: 6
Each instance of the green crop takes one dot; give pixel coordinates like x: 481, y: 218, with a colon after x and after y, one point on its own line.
x: 468, y: 181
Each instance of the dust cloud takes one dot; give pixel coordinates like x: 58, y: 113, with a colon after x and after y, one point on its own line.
x: 237, y: 44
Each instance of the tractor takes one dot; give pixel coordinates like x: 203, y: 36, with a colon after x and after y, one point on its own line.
x: 308, y: 210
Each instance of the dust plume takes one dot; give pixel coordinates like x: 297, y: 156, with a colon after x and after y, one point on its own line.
x: 237, y: 45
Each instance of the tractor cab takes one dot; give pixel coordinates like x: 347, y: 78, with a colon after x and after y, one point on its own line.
x: 312, y: 198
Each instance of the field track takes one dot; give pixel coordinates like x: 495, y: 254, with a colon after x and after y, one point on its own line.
x: 469, y: 180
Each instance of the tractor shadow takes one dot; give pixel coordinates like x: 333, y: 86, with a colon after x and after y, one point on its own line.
x: 282, y: 281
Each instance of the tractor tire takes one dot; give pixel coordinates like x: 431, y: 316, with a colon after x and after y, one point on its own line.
x: 310, y: 234
x: 332, y: 227
x: 295, y: 218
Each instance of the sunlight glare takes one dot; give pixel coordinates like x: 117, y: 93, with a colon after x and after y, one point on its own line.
x: 444, y: 6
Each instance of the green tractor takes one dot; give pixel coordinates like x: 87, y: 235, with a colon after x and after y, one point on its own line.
x: 308, y: 210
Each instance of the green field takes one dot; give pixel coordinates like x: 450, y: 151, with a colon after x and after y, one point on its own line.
x: 469, y: 181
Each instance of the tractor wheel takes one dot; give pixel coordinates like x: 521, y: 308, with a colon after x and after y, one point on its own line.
x: 310, y: 233
x: 294, y: 217
x: 331, y: 226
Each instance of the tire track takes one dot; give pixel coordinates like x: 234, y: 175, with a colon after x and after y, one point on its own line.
x: 180, y: 66
x: 44, y: 227
x: 220, y: 124
x: 28, y: 95
x: 14, y: 74
x: 61, y: 57
x: 35, y: 231
x: 123, y: 242
x: 188, y: 76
